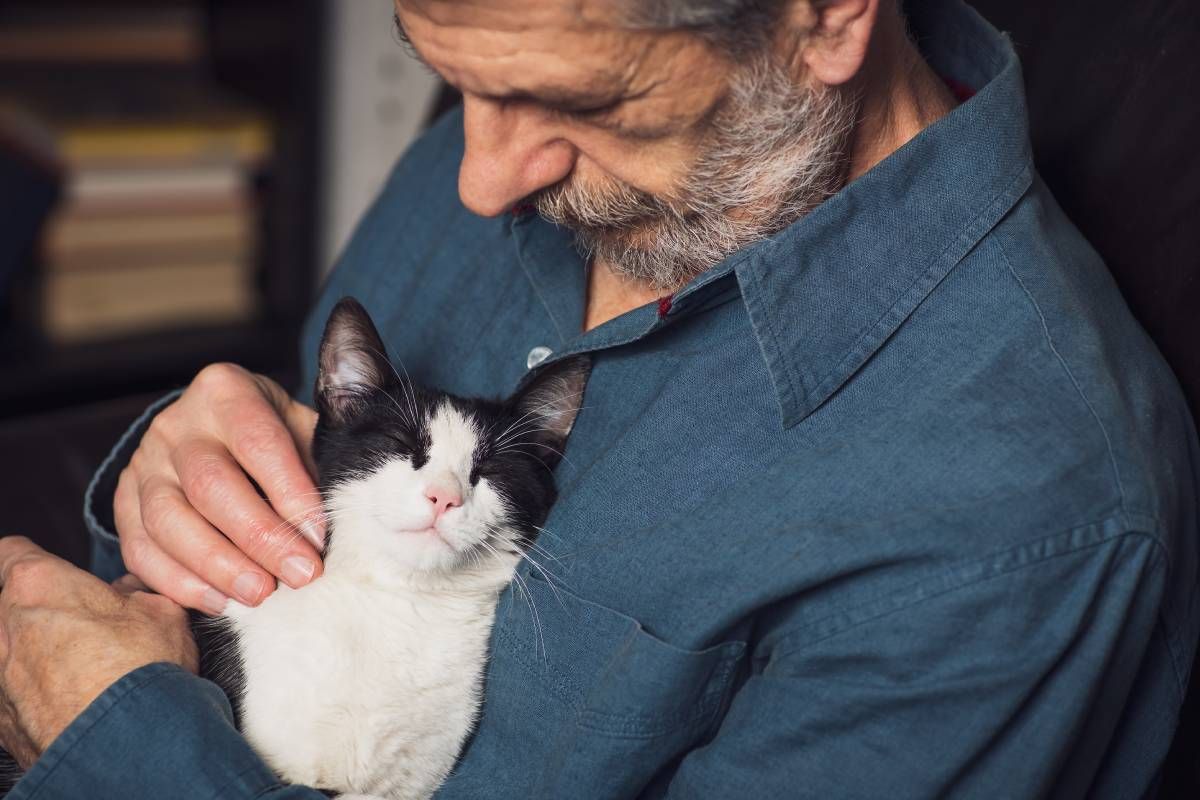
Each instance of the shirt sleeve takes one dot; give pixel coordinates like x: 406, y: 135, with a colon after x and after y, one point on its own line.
x: 98, y: 500
x: 157, y: 732
x: 1008, y: 685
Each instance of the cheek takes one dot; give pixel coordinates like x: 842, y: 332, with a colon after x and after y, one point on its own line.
x: 487, y: 504
x: 653, y: 167
x: 485, y: 511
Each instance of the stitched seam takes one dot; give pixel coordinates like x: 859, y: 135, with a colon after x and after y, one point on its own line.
x: 1112, y: 460
x: 634, y: 726
x: 782, y: 648
x: 1168, y: 640
x: 789, y: 398
x: 971, y: 233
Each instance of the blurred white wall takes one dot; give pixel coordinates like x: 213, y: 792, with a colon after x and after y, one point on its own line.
x: 378, y: 98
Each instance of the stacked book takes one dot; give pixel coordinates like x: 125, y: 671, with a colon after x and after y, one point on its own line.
x: 157, y: 227
x: 157, y: 223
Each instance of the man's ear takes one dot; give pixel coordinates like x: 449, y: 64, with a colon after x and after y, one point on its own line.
x: 352, y: 363
x: 839, y: 34
x: 545, y: 405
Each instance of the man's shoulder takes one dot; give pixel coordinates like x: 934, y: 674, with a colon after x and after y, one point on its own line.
x: 1031, y: 358
x: 1099, y: 353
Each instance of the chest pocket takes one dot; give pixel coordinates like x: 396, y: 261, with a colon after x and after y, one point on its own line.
x: 590, y: 703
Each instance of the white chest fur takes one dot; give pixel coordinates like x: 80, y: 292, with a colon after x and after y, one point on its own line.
x: 361, y: 688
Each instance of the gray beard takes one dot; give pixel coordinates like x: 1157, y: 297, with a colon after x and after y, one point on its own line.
x: 773, y: 153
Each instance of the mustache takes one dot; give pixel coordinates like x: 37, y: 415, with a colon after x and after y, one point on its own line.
x: 612, y: 206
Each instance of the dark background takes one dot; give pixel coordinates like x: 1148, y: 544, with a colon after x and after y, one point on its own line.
x: 1114, y: 95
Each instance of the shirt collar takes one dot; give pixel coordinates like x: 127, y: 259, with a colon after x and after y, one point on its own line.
x: 825, y: 293
x: 830, y: 290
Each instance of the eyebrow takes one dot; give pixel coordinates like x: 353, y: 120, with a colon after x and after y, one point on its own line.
x: 561, y: 98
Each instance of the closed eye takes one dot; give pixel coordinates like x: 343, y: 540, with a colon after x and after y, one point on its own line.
x: 592, y: 112
x: 403, y: 441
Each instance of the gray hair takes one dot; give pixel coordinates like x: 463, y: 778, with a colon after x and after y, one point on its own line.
x: 739, y: 26
x: 698, y: 14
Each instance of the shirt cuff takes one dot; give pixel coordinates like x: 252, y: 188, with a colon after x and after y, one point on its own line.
x: 157, y: 732
x: 98, y: 499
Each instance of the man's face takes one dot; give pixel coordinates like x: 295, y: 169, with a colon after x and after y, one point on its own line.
x: 660, y: 151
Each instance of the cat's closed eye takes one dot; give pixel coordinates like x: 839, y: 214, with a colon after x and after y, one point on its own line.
x: 403, y: 440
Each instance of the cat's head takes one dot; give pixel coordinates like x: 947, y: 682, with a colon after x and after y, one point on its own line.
x: 419, y: 480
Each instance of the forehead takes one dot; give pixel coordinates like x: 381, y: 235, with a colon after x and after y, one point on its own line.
x: 501, y: 47
x: 454, y: 436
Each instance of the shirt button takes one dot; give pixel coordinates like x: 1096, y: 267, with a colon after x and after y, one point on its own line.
x: 536, y: 356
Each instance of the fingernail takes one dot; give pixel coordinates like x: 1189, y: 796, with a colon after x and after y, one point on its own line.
x: 249, y: 587
x: 213, y: 602
x: 297, y: 571
x: 313, y: 534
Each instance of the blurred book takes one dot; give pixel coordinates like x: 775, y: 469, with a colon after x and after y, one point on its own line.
x: 39, y: 33
x: 86, y: 304
x: 221, y: 139
x: 71, y: 235
x: 158, y: 222
x: 102, y: 192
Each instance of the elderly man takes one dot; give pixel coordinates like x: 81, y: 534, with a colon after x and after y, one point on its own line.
x: 878, y: 489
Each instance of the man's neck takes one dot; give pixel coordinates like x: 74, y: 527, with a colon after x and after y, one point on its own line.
x: 901, y: 96
x: 610, y: 295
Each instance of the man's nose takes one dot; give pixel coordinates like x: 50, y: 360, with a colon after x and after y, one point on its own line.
x: 511, y: 152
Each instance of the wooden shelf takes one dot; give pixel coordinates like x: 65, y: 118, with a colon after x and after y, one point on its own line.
x: 39, y: 377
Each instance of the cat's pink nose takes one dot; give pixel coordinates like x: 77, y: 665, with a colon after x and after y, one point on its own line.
x: 443, y: 499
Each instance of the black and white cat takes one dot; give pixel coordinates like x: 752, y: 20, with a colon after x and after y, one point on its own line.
x: 368, y: 680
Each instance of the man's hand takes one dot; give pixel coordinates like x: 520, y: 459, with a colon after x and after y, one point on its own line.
x: 191, y: 523
x: 65, y: 637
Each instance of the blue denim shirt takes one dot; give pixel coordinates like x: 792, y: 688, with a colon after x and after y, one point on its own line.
x: 900, y: 502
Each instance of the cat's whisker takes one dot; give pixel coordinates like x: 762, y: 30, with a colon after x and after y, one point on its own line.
x: 527, y: 543
x: 539, y: 635
x: 512, y: 448
x: 518, y: 449
x: 550, y: 579
x: 516, y: 436
x: 547, y: 532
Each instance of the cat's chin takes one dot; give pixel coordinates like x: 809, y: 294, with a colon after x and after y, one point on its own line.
x: 429, y: 536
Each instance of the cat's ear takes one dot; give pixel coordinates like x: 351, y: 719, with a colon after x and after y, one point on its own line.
x: 546, y: 404
x: 352, y: 363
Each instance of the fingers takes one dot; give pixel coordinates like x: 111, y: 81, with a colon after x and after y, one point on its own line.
x: 193, y: 524
x: 31, y: 577
x: 216, y: 487
x: 14, y: 550
x: 302, y: 422
x: 262, y: 441
x: 152, y: 565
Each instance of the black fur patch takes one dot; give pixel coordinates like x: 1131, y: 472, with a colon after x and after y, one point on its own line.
x: 220, y: 658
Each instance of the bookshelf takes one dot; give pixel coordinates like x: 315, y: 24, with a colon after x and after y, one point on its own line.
x: 180, y: 140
